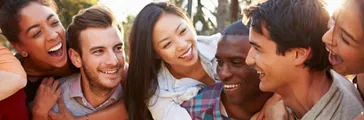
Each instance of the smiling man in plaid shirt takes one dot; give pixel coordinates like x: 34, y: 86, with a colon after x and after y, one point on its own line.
x: 238, y: 96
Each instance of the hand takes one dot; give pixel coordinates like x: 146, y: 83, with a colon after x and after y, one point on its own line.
x: 278, y: 112
x: 45, y: 98
x: 267, y: 106
x: 64, y: 113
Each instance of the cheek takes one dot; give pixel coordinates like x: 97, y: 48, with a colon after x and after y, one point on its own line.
x: 167, y: 55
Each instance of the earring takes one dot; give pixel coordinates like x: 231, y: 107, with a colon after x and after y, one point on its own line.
x: 24, y: 54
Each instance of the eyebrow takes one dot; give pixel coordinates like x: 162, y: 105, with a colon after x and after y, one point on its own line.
x: 255, y: 44
x: 37, y: 25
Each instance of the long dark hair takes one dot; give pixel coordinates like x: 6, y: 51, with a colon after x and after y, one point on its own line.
x: 144, y: 65
x: 9, y: 12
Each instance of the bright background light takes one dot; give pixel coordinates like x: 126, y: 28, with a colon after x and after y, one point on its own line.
x: 332, y: 5
x: 123, y: 8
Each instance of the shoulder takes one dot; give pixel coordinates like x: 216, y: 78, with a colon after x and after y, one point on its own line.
x: 207, y: 45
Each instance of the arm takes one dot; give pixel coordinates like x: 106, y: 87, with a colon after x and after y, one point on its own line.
x: 12, y: 73
x: 165, y: 108
x: 116, y: 111
x: 10, y: 83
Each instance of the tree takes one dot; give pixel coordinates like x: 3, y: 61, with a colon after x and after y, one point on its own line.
x: 222, y: 15
x: 69, y: 8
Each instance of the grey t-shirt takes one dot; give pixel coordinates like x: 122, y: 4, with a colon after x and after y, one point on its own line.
x: 71, y: 89
x: 341, y: 102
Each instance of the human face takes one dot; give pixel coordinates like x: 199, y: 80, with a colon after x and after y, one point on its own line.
x: 273, y: 69
x: 102, y: 56
x: 42, y: 36
x: 344, y: 40
x: 174, y: 40
x: 240, y: 81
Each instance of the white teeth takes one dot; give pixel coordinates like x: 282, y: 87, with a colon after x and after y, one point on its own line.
x: 109, y: 72
x: 231, y: 86
x: 330, y: 51
x: 187, y: 53
x: 55, y: 48
x: 260, y: 73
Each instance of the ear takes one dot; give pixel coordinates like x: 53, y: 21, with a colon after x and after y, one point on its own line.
x: 18, y: 47
x: 75, y: 58
x: 301, y: 55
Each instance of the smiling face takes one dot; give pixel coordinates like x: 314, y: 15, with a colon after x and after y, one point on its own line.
x: 42, y: 37
x: 102, y: 56
x: 273, y: 69
x: 174, y: 40
x: 240, y: 81
x: 344, y: 40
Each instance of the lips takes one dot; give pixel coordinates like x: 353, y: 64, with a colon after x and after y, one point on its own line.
x: 187, y: 55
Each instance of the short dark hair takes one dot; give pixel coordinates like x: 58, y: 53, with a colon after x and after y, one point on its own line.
x: 96, y: 16
x: 9, y: 12
x: 142, y: 80
x: 294, y: 24
x: 236, y: 28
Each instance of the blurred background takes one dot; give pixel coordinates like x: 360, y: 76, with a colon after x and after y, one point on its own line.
x: 208, y: 16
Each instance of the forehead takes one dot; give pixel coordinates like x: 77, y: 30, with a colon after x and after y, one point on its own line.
x: 234, y: 45
x: 349, y: 19
x: 168, y: 21
x: 107, y: 37
x: 34, y: 13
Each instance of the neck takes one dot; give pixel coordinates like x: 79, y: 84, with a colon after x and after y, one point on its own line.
x: 195, y: 71
x: 306, y: 91
x: 94, y: 94
x: 37, y: 69
x: 246, y: 109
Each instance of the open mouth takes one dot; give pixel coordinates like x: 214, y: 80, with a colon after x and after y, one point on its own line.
x: 334, y: 59
x: 231, y: 87
x: 261, y: 74
x: 56, y: 51
x: 187, y: 55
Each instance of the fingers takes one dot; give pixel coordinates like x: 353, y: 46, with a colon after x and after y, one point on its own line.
x: 55, y: 85
x: 61, y: 104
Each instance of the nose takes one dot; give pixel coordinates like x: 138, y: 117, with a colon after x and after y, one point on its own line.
x: 182, y: 44
x: 51, y: 34
x: 112, y: 60
x: 328, y: 37
x: 250, y: 60
x: 224, y: 72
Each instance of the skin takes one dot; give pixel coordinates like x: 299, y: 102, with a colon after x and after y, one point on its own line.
x: 345, y: 39
x: 300, y: 91
x: 173, y: 37
x: 232, y: 70
x: 99, y: 56
x: 37, y: 62
x: 41, y: 30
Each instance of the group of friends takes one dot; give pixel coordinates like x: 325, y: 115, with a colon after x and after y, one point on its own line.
x: 286, y: 61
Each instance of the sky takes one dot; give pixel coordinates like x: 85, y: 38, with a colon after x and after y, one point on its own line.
x: 122, y: 8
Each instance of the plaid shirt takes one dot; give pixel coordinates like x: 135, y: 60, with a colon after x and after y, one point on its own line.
x: 206, y: 105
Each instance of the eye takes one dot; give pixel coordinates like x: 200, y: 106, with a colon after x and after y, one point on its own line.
x: 167, y: 45
x: 344, y: 40
x: 183, y: 31
x: 55, y: 23
x: 36, y: 34
x: 219, y: 62
x: 119, y: 48
x: 97, y: 52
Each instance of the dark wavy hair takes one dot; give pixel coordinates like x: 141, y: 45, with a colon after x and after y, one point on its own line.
x: 9, y: 12
x: 294, y: 24
x: 142, y: 80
